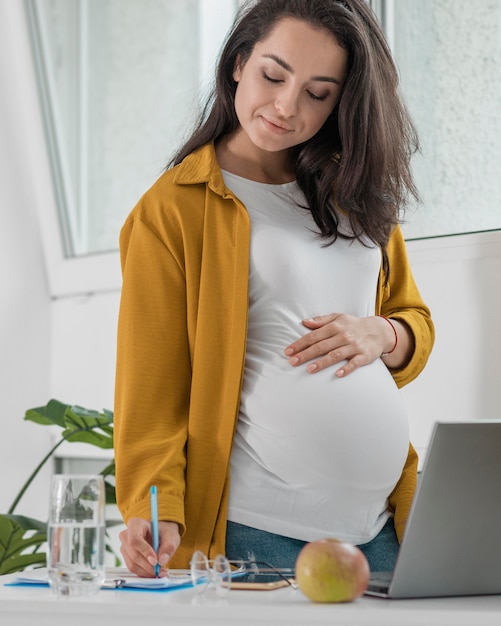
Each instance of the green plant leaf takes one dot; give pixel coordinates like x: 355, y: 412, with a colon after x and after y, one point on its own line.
x: 52, y: 414
x: 74, y: 417
x: 22, y: 561
x: 21, y: 536
x: 88, y: 427
x: 89, y: 436
x: 80, y: 425
x: 83, y: 412
x: 20, y: 539
x: 110, y: 495
x: 109, y: 470
x: 28, y: 523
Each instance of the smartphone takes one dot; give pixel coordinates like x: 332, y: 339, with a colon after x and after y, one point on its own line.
x: 264, y: 580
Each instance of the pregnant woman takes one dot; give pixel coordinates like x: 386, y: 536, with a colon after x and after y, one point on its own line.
x: 268, y: 313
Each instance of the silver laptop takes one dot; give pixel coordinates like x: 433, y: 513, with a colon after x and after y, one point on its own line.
x: 452, y: 542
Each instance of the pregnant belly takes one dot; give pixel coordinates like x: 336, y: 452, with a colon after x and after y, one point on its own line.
x: 353, y: 430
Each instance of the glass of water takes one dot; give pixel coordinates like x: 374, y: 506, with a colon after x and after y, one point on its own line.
x: 76, y: 534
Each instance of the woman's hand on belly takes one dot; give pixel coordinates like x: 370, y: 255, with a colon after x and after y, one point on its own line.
x: 359, y: 341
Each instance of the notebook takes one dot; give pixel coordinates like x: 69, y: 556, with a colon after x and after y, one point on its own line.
x: 116, y: 578
x: 452, y: 542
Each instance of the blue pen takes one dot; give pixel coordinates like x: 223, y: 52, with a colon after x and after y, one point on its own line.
x: 154, y: 524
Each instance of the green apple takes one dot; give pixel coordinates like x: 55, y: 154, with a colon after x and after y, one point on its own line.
x: 329, y: 570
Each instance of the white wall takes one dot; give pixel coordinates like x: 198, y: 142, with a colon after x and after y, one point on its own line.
x: 25, y: 310
x: 49, y: 348
x: 459, y: 279
x: 65, y: 348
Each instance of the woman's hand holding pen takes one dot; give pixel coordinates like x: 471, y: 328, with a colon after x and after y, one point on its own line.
x: 136, y: 546
x: 357, y: 340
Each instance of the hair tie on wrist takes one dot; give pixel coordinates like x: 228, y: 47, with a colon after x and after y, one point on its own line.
x: 394, y: 332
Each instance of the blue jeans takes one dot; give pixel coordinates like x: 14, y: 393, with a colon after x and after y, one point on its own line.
x: 246, y: 543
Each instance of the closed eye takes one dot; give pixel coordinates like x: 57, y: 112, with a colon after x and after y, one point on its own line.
x: 315, y: 97
x: 312, y: 95
x: 270, y: 79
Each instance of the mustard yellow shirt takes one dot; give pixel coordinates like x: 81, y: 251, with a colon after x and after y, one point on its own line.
x: 181, y: 350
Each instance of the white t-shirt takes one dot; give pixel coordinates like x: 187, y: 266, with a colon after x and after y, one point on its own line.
x: 313, y: 455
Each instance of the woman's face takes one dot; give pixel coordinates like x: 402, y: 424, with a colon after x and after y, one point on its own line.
x: 289, y: 85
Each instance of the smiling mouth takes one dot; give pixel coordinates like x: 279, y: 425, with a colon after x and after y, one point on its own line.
x: 274, y: 126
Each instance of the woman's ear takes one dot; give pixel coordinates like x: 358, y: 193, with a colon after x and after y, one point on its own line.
x: 237, y: 69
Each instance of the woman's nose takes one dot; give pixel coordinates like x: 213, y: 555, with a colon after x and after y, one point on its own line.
x: 286, y: 103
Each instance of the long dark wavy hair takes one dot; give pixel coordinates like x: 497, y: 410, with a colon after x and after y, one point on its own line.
x: 359, y: 161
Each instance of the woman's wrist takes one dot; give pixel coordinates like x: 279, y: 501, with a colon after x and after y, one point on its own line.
x: 394, y: 339
x: 399, y: 355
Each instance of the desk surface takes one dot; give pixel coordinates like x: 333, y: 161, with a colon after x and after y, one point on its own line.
x: 38, y: 605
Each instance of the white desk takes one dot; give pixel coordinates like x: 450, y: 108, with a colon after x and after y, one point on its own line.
x: 38, y: 606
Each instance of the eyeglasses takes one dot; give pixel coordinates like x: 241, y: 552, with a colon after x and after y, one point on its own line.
x: 217, y: 574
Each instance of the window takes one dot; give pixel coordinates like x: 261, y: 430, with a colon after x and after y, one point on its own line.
x: 120, y: 80
x: 448, y: 56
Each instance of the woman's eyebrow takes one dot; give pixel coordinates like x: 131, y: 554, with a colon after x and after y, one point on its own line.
x: 288, y: 68
x: 280, y: 62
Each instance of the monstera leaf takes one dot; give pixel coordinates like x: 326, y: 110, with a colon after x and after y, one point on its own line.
x: 78, y: 424
x: 20, y: 539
